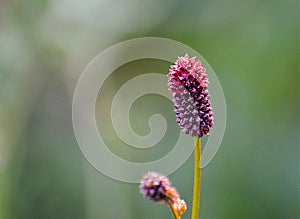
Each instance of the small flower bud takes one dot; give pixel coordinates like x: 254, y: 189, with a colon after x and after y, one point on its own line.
x: 154, y: 186
x: 157, y: 187
x: 180, y: 206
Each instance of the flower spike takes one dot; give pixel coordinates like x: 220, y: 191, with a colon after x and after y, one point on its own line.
x: 188, y: 84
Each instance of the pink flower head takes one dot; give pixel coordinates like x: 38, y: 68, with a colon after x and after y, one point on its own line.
x: 188, y: 84
x: 154, y: 186
x: 157, y: 187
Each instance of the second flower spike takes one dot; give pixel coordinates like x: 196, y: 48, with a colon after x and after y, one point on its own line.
x: 157, y: 187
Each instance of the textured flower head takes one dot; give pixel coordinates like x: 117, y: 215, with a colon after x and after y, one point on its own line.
x: 188, y: 85
x: 154, y: 186
x: 157, y: 187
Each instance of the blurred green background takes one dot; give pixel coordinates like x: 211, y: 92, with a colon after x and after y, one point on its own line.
x: 253, y: 46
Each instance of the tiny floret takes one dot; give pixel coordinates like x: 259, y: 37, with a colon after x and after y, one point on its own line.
x: 180, y: 206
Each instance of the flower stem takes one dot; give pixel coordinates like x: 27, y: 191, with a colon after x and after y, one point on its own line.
x: 175, y: 213
x: 197, y: 177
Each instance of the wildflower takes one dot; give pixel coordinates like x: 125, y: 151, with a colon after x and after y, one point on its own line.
x: 154, y: 186
x: 188, y: 84
x: 157, y: 188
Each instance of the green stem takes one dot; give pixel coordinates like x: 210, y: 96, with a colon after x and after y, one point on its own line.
x: 175, y: 213
x: 197, y: 177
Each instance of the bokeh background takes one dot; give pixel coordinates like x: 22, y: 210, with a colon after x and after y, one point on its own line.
x: 253, y: 46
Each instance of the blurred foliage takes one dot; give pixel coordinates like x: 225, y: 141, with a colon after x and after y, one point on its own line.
x: 253, y: 47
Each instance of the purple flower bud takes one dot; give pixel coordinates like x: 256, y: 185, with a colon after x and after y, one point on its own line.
x: 188, y: 84
x: 157, y: 187
x: 154, y: 186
